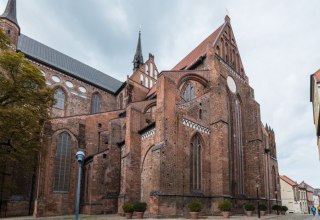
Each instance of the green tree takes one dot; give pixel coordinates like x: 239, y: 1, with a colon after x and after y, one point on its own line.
x: 24, y: 107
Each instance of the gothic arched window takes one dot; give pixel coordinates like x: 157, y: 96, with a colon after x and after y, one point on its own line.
x: 195, y: 163
x: 274, y: 179
x: 95, y: 104
x: 62, y: 163
x: 121, y: 101
x: 188, y: 93
x: 59, y: 97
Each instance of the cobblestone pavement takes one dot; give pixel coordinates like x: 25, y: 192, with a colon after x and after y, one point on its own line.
x: 116, y: 217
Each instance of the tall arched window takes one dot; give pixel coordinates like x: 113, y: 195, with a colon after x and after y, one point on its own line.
x: 59, y: 97
x: 195, y: 163
x: 239, y: 148
x: 235, y: 145
x: 188, y: 93
x: 62, y: 163
x: 95, y: 104
x: 274, y: 179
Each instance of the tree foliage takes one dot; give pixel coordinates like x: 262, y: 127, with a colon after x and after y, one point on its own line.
x: 24, y: 104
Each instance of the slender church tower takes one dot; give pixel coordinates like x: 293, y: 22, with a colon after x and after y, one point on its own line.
x: 9, y: 23
x: 138, y: 58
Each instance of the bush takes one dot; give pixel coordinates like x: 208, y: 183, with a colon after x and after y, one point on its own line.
x: 284, y: 208
x: 276, y: 207
x: 127, y: 207
x: 225, y: 206
x: 140, y: 206
x: 195, y: 206
x: 249, y: 207
x: 263, y: 207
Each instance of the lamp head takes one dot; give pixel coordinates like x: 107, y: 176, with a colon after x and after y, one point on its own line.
x: 80, y: 156
x: 257, y: 183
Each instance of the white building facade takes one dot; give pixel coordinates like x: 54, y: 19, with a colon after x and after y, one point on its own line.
x: 292, y: 196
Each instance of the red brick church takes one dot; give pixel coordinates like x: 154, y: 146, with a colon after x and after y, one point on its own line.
x: 162, y: 137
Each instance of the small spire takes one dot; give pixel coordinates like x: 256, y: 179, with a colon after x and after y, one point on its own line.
x: 11, y: 12
x: 138, y: 58
x: 227, y: 18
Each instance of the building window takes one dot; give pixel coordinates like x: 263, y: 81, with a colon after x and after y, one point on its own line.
x: 195, y: 163
x: 95, y: 104
x: 141, y: 79
x: 59, y: 97
x: 62, y: 163
x: 188, y: 93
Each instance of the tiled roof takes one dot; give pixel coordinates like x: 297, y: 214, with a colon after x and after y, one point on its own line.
x: 288, y: 180
x: 304, y: 184
x: 317, y: 75
x: 199, y: 51
x: 57, y: 60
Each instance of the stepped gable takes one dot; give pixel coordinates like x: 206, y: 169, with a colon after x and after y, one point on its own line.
x: 199, y: 51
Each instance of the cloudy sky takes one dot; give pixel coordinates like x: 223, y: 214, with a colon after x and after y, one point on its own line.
x: 279, y: 43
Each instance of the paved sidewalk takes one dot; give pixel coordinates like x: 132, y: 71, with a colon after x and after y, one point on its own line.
x: 117, y: 217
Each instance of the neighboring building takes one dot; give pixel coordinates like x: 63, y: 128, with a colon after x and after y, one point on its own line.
x: 314, y: 98
x: 316, y: 197
x: 292, y: 196
x: 303, y: 200
x: 193, y: 132
x: 310, y: 192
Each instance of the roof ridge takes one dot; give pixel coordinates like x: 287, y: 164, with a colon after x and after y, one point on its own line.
x: 199, y: 50
x: 286, y: 179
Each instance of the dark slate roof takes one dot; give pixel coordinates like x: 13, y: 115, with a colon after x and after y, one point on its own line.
x: 11, y: 12
x: 57, y: 60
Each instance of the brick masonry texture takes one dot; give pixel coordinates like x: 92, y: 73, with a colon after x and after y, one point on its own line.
x: 138, y: 146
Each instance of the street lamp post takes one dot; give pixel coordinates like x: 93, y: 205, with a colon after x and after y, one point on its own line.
x: 276, y: 193
x: 257, y: 187
x: 80, y: 158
